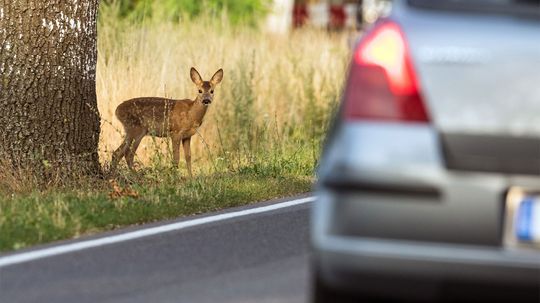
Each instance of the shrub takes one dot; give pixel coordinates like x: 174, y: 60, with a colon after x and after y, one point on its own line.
x: 238, y: 11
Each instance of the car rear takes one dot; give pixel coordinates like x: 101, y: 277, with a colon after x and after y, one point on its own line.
x: 428, y: 186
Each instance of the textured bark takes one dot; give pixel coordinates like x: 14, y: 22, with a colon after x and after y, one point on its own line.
x: 48, y: 107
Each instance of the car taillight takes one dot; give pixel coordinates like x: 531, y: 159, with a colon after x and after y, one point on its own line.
x: 382, y: 84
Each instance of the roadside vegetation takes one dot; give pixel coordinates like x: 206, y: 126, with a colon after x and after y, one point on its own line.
x: 260, y: 139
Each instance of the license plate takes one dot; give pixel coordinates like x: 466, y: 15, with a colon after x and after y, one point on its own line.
x: 522, y: 218
x: 527, y: 219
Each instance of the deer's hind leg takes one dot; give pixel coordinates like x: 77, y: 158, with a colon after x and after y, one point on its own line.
x: 120, y: 152
x: 138, y: 135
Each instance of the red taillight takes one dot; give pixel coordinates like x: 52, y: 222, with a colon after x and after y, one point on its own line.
x: 382, y: 83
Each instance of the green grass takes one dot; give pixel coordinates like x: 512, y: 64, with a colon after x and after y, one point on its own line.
x: 55, y: 214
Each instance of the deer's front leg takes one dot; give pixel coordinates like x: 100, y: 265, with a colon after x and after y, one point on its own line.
x: 186, y: 144
x: 176, y: 139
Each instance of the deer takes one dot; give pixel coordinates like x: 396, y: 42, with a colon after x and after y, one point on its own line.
x: 163, y: 117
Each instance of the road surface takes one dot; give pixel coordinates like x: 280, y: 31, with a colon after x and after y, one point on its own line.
x: 243, y: 257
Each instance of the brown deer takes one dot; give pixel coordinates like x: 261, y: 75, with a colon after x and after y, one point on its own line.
x: 162, y: 117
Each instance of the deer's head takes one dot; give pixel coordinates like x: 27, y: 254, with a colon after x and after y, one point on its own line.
x: 206, y: 88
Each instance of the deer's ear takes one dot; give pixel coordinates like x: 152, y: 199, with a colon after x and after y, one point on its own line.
x: 217, y: 77
x: 195, y: 77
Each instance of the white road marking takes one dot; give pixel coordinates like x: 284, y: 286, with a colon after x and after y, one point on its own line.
x: 67, y: 248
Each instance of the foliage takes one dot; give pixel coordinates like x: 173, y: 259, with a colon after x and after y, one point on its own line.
x: 238, y: 11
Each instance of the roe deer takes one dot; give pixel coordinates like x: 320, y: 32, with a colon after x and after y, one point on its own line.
x: 162, y: 117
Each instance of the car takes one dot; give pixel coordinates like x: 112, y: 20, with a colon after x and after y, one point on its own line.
x: 429, y: 183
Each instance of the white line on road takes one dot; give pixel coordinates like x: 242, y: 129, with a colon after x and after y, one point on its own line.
x: 67, y: 248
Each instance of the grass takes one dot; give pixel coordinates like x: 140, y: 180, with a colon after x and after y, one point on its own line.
x: 260, y: 139
x: 38, y: 217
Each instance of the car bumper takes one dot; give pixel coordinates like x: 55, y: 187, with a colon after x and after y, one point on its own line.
x: 438, y: 261
x: 424, y: 271
x: 427, y: 271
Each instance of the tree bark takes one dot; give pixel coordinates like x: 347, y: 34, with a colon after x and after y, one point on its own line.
x: 48, y: 107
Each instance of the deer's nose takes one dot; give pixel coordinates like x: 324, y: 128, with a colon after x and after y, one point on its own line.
x: 206, y: 101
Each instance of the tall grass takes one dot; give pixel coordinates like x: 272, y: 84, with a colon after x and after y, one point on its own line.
x: 270, y: 112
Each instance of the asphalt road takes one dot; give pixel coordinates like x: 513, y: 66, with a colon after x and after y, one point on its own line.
x: 253, y: 258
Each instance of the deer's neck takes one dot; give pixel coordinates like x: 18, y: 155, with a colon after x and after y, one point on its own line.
x: 198, y: 110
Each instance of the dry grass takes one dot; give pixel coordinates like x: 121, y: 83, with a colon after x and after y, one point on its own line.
x: 278, y: 92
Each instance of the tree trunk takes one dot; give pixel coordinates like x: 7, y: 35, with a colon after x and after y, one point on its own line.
x: 48, y: 107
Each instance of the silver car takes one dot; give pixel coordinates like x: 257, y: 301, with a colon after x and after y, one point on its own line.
x: 429, y: 185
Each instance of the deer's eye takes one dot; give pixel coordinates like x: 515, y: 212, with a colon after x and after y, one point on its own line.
x: 212, y: 91
x: 200, y: 91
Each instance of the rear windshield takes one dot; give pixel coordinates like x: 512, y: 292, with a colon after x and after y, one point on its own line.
x: 513, y: 7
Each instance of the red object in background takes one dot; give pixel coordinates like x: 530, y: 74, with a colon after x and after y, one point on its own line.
x: 300, y: 15
x: 337, y: 16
